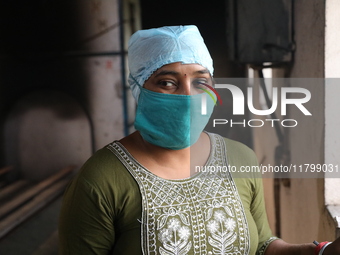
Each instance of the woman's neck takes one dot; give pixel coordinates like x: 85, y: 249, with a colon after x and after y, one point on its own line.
x: 167, y: 163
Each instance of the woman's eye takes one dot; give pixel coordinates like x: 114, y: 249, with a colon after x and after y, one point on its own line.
x: 200, y: 82
x: 166, y: 83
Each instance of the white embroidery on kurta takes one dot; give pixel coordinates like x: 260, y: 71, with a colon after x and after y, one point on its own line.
x: 222, y: 232
x: 199, y: 215
x: 175, y: 238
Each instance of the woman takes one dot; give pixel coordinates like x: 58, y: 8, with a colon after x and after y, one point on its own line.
x: 142, y: 194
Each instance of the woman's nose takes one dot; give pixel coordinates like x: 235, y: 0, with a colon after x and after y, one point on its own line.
x: 188, y: 88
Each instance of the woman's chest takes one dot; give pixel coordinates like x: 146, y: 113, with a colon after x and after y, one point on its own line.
x: 203, y: 216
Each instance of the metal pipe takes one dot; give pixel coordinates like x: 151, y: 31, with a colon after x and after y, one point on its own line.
x: 123, y: 74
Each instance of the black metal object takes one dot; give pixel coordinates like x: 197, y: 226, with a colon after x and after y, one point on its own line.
x: 260, y: 31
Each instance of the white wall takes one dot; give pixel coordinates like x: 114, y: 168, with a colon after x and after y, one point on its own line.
x: 99, y: 26
x: 332, y: 105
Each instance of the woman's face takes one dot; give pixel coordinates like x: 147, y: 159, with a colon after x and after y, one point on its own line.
x: 179, y: 78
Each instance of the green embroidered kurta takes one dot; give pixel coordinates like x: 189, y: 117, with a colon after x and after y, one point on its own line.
x: 116, y: 206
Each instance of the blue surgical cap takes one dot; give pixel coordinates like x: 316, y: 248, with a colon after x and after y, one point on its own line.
x: 151, y: 49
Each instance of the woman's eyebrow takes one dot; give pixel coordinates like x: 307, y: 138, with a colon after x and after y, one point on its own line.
x: 167, y: 72
x: 203, y: 71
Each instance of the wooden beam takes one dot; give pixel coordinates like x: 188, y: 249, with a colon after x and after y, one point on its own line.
x: 12, y: 188
x: 30, y: 193
x: 2, y: 184
x: 5, y: 170
x: 30, y: 208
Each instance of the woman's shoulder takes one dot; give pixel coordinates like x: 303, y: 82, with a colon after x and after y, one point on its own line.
x: 104, y: 170
x: 242, y: 160
x: 236, y: 146
x: 236, y: 150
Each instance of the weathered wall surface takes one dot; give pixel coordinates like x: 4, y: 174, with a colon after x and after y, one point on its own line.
x: 303, y: 213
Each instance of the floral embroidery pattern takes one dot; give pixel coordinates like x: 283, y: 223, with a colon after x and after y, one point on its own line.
x: 175, y: 238
x: 171, y: 212
x: 199, y: 215
x: 222, y: 232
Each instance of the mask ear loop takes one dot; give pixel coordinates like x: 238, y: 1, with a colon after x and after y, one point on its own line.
x: 133, y: 78
x: 138, y: 87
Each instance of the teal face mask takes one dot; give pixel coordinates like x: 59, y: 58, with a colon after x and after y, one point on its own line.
x: 171, y: 121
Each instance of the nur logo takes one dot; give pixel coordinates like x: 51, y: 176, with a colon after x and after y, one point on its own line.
x: 204, y: 97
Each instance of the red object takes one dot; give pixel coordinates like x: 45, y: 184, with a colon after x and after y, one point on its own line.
x: 319, y: 247
x: 216, y: 93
